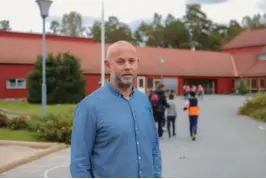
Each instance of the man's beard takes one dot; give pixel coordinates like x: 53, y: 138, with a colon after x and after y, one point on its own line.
x: 121, y: 84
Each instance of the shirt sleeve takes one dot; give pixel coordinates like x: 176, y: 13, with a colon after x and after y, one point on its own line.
x: 156, y: 152
x: 186, y: 103
x: 156, y: 155
x: 82, y: 141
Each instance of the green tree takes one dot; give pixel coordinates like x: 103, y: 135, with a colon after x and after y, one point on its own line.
x: 55, y: 26
x: 175, y: 33
x: 64, y: 79
x: 114, y: 31
x: 168, y: 33
x: 255, y: 22
x: 72, y: 24
x: 5, y: 25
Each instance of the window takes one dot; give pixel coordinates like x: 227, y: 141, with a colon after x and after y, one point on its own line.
x: 262, y: 57
x: 150, y: 83
x: 141, y: 83
x: 254, y: 83
x: 262, y: 84
x: 16, y: 83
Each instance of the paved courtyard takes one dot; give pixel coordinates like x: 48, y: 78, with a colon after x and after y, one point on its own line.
x: 227, y: 146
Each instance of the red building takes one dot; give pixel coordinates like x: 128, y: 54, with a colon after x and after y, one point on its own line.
x: 249, y: 51
x: 216, y: 71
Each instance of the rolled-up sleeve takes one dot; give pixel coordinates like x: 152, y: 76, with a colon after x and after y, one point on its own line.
x: 82, y: 141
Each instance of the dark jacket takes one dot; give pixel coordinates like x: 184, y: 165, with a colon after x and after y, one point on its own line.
x: 162, y: 101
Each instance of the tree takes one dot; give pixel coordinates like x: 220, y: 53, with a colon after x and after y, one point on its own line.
x: 197, y: 23
x: 168, y: 33
x: 72, y: 24
x: 175, y: 33
x: 5, y: 25
x: 55, y: 27
x: 64, y: 79
x: 114, y: 31
x: 255, y: 22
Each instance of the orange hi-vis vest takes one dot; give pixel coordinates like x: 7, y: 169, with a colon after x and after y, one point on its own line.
x: 192, y: 105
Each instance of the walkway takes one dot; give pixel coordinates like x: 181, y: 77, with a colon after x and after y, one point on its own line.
x: 227, y: 146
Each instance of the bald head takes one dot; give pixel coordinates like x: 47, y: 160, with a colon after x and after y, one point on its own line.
x: 122, y: 61
x: 117, y: 48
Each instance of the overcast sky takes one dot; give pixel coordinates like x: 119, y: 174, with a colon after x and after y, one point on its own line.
x: 24, y: 14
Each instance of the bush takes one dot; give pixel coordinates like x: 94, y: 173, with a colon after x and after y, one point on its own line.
x: 256, y: 107
x: 242, y: 87
x: 18, y: 122
x: 53, y: 128
x: 64, y: 80
x: 3, y: 120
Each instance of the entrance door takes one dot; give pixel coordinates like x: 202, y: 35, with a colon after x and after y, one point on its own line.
x: 141, y: 83
x: 156, y: 82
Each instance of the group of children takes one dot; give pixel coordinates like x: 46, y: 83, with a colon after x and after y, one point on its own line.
x: 191, y: 106
x: 199, y: 90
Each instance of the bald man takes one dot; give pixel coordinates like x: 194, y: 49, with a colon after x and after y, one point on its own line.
x: 114, y: 134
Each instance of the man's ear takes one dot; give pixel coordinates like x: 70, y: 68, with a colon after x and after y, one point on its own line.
x: 107, y: 63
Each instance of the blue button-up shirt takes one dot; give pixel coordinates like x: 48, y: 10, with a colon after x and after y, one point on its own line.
x: 115, y: 137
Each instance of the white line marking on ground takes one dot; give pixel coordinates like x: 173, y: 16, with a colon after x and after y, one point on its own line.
x: 261, y: 128
x: 46, y: 172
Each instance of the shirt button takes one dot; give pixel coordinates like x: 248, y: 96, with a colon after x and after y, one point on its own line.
x: 139, y: 158
x: 136, y: 128
x: 138, y: 143
x: 140, y: 172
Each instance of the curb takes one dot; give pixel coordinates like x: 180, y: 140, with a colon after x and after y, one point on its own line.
x: 52, y: 147
x: 40, y: 145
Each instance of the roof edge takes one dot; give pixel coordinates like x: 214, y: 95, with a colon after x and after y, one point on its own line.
x: 234, y: 66
x: 34, y: 35
x: 244, y: 46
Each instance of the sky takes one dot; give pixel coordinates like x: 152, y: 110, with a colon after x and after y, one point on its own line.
x: 24, y: 15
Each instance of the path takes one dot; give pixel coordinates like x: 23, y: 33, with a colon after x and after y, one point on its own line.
x: 227, y: 146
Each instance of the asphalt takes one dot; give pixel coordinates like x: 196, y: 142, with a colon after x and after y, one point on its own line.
x: 227, y: 145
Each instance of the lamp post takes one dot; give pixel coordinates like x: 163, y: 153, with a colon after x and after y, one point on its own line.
x: 102, y: 47
x: 162, y: 61
x: 44, y: 6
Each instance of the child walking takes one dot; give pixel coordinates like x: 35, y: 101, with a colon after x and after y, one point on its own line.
x: 171, y: 115
x: 192, y: 105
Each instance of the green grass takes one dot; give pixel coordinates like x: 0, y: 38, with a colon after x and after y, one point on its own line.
x: 25, y: 107
x: 18, y: 135
x: 255, y: 107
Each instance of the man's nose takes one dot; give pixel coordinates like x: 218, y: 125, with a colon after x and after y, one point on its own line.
x: 127, y: 65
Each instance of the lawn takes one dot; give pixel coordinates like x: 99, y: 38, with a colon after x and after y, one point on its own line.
x: 18, y: 135
x: 25, y: 107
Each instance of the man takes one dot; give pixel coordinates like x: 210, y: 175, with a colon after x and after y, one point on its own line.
x: 114, y: 135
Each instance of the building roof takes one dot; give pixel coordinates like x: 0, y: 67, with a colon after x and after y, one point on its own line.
x: 249, y: 38
x: 248, y: 65
x: 15, y: 49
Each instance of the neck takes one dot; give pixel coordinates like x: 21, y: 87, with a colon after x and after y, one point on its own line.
x: 125, y: 91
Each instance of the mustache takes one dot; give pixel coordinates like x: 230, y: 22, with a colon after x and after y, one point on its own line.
x: 126, y: 74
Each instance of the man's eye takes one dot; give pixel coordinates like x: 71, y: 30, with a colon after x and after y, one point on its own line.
x: 132, y: 61
x: 120, y: 62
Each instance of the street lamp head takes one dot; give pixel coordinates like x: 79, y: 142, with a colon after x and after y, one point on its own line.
x: 162, y: 60
x: 44, y: 6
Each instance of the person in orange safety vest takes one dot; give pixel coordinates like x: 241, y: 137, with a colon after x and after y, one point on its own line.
x: 192, y: 106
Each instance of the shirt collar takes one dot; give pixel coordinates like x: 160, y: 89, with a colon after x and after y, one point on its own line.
x: 114, y: 90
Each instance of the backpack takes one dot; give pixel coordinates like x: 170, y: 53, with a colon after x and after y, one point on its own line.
x: 154, y: 99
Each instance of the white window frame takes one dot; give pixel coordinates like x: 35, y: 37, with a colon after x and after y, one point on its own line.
x: 262, y: 57
x: 16, y: 85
